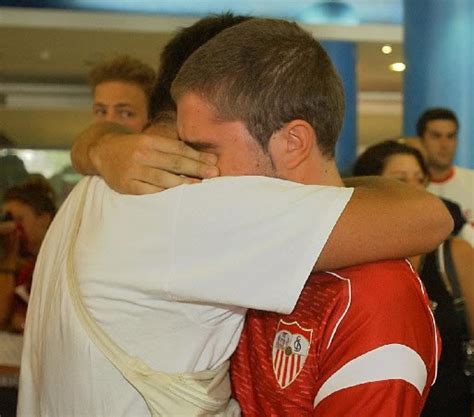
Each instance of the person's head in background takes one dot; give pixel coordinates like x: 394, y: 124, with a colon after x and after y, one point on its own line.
x: 437, y: 129
x: 121, y: 90
x: 173, y: 56
x: 393, y: 159
x: 31, y: 205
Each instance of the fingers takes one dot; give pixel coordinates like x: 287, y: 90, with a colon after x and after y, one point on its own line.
x: 180, y: 165
x: 140, y: 187
x: 179, y: 148
x: 175, y: 157
x: 145, y: 164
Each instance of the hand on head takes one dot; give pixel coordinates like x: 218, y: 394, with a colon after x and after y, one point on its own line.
x: 145, y: 163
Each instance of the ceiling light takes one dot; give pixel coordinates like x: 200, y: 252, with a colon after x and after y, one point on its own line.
x: 387, y: 49
x: 397, y: 66
x: 45, y: 55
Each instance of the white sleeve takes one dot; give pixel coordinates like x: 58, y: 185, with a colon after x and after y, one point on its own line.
x: 250, y: 241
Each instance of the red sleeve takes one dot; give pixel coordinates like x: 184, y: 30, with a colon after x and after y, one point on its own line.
x: 379, y: 359
x: 392, y: 398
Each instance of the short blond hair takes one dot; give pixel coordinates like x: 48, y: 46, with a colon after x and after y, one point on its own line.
x: 123, y: 68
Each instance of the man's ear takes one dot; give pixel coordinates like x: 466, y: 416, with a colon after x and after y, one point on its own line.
x: 297, y: 141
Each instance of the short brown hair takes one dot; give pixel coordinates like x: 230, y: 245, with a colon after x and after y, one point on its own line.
x: 435, y: 113
x: 265, y: 73
x: 36, y: 192
x: 124, y: 68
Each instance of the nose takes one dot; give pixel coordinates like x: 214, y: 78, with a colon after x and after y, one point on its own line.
x: 110, y: 117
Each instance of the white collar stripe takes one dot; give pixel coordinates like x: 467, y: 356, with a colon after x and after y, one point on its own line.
x: 349, y: 301
x: 387, y: 362
x: 433, y: 322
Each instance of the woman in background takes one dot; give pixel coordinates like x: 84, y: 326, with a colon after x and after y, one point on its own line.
x: 27, y: 212
x: 447, y: 274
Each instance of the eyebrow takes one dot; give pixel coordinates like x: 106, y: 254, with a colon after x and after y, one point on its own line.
x: 118, y: 105
x: 199, y: 145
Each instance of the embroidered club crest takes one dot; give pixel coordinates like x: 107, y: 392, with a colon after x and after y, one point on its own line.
x: 290, y: 350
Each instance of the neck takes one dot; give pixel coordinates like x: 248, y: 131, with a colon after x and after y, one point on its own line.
x: 441, y: 174
x: 320, y: 171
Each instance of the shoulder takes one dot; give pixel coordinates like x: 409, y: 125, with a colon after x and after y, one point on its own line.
x: 378, y: 281
x: 464, y: 171
x: 464, y: 174
x: 383, y: 293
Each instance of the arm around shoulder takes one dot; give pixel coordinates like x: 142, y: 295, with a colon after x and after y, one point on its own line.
x: 83, y: 157
x: 385, y: 219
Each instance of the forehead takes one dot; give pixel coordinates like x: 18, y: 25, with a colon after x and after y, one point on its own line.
x: 198, y: 121
x: 402, y: 161
x: 17, y: 207
x: 441, y: 125
x: 119, y: 91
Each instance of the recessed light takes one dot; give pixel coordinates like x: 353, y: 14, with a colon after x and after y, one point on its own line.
x: 387, y: 49
x: 397, y: 66
x: 45, y: 55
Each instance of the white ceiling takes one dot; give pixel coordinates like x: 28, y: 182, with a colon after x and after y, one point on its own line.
x: 54, y: 50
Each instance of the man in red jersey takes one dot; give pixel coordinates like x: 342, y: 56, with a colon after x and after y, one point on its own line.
x: 360, y: 341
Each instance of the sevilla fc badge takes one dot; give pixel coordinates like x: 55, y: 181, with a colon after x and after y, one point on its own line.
x: 290, y: 350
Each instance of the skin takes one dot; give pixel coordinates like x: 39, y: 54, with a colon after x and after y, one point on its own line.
x: 33, y: 229
x: 121, y: 102
x: 139, y: 163
x: 34, y: 225
x: 405, y: 167
x: 10, y: 240
x: 293, y: 154
x: 440, y: 140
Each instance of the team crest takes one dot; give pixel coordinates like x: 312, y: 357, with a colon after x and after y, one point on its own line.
x: 290, y: 350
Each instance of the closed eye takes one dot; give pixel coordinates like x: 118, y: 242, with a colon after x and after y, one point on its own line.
x: 201, y: 146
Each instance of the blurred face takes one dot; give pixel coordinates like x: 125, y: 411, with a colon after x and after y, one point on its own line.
x: 121, y: 102
x: 439, y: 141
x: 405, y: 168
x: 32, y: 226
x: 237, y: 151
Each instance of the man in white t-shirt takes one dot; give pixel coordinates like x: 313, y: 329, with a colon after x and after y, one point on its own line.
x: 437, y: 129
x: 150, y: 267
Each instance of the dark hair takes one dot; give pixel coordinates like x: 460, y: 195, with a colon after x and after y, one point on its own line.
x: 178, y: 50
x: 372, y: 161
x: 35, y: 192
x: 266, y: 73
x: 435, y: 113
x: 124, y: 68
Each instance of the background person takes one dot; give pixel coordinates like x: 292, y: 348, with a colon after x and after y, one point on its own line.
x: 437, y: 129
x: 30, y: 208
x: 121, y: 90
x: 454, y: 313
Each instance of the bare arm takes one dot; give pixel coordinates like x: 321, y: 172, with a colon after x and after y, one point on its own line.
x: 138, y: 163
x: 463, y: 257
x: 385, y: 219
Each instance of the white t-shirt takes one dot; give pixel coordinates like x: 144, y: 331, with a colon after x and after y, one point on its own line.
x: 149, y: 269
x: 459, y: 187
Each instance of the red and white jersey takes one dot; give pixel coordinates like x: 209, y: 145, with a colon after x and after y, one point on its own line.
x: 360, y: 342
